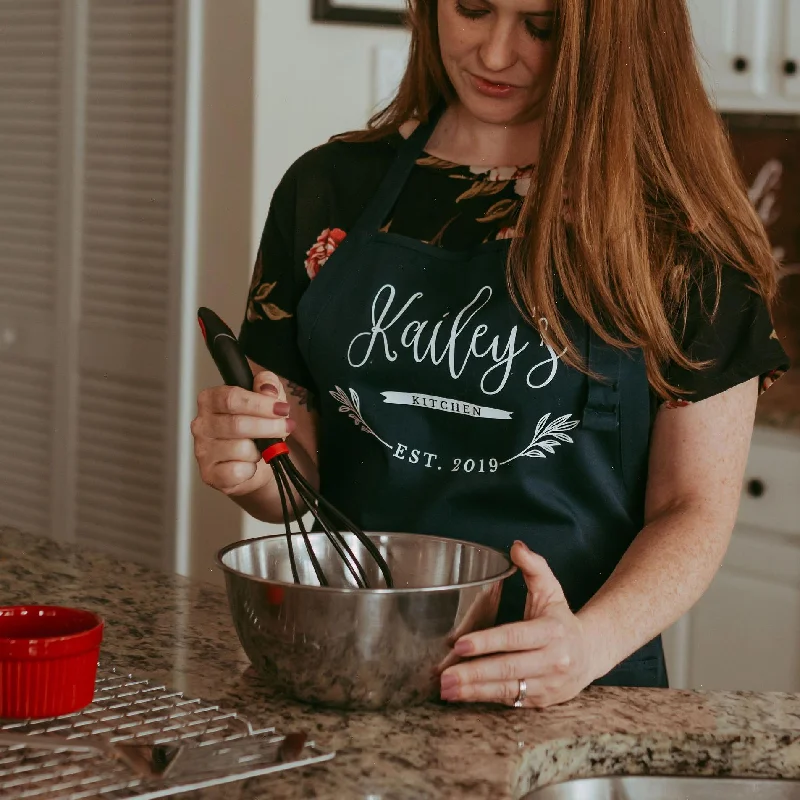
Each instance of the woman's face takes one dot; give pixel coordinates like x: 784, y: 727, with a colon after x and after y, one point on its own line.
x: 498, y: 55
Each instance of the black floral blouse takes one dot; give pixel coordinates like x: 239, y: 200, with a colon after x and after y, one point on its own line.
x: 455, y: 207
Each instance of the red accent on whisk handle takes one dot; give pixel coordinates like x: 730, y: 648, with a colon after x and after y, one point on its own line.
x: 278, y: 449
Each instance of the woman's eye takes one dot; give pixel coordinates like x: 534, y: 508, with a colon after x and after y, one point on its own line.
x: 538, y: 33
x: 470, y: 13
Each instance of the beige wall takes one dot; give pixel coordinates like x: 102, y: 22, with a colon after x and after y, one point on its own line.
x: 312, y: 80
x: 226, y: 181
x: 275, y: 84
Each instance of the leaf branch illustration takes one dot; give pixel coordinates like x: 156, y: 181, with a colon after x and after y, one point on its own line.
x: 352, y: 407
x: 546, y: 437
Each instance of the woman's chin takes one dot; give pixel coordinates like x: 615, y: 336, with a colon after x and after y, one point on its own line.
x: 494, y: 110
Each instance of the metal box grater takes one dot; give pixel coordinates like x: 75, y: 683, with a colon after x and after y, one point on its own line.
x: 127, y: 709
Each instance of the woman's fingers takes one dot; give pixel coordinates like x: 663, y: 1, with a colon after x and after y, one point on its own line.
x: 230, y: 474
x: 530, y: 634
x: 505, y: 692
x: 231, y: 400
x: 221, y: 450
x: 228, y: 419
x: 269, y: 384
x: 496, y: 669
x: 228, y: 426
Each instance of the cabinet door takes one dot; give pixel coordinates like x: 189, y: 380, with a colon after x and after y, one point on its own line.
x: 790, y: 66
x: 733, y: 37
x: 771, y: 484
x: 745, y: 631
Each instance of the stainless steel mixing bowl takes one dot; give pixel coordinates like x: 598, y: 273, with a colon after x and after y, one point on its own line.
x: 360, y: 648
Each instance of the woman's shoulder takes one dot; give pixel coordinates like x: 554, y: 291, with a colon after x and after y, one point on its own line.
x: 342, y: 156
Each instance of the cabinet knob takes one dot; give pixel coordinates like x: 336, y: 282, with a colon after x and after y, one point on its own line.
x: 756, y: 487
x: 790, y: 67
x: 741, y: 64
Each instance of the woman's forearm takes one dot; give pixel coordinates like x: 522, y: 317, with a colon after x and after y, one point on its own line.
x: 665, y: 571
x: 265, y: 503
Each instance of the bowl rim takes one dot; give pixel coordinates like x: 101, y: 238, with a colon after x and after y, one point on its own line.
x: 30, y: 648
x: 501, y: 576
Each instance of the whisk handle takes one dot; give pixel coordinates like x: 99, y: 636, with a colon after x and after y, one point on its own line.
x: 232, y: 365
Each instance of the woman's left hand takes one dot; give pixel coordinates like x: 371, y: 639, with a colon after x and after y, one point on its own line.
x: 550, y: 650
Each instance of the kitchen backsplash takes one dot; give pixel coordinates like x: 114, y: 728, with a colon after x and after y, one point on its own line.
x: 768, y: 150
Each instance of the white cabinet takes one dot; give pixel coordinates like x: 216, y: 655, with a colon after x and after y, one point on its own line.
x: 791, y: 64
x: 750, y: 53
x: 744, y: 633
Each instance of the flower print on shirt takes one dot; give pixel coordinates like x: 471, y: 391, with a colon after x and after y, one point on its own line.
x: 322, y: 250
x: 485, y: 182
x: 260, y: 290
x: 520, y: 175
x: 495, y: 179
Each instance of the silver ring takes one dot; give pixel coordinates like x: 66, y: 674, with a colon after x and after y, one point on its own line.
x: 523, y: 693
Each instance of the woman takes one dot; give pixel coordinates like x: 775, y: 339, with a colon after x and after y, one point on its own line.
x: 528, y: 304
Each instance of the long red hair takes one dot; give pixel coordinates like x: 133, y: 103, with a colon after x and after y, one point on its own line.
x: 656, y: 200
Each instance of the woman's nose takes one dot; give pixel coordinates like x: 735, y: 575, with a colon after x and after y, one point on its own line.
x: 498, y: 51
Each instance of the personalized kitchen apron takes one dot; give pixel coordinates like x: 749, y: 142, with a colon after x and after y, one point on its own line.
x: 443, y: 412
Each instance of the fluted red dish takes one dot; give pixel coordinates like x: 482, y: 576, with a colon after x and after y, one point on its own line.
x: 48, y: 660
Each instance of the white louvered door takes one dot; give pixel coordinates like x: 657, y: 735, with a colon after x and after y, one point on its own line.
x: 89, y: 271
x: 126, y: 257
x: 30, y: 52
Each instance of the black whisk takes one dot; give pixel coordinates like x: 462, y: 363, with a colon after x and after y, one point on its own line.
x: 235, y: 371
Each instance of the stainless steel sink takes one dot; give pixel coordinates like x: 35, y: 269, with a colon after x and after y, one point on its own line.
x: 668, y: 788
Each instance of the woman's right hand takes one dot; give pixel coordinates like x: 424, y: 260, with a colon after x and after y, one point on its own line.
x: 228, y: 419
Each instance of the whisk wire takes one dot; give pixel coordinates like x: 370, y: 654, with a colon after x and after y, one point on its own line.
x: 300, y: 481
x: 286, y: 522
x: 299, y: 517
x: 236, y: 370
x: 305, y: 490
x: 336, y: 539
x: 284, y: 488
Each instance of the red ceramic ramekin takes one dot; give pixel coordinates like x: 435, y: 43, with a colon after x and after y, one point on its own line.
x: 48, y: 660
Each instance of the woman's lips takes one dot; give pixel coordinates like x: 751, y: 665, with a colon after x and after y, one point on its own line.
x: 492, y: 89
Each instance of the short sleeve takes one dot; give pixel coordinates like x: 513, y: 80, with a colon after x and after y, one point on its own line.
x: 738, y: 338
x: 269, y: 331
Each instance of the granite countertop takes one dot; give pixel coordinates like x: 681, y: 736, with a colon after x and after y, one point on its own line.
x: 179, y: 632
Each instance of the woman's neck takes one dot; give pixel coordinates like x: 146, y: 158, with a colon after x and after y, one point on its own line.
x: 463, y: 139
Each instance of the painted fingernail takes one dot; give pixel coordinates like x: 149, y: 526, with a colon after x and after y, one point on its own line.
x: 449, y: 694
x: 449, y: 681
x: 290, y: 426
x: 281, y: 409
x: 269, y: 388
x: 463, y: 647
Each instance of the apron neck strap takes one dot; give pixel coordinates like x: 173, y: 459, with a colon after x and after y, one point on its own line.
x: 601, y: 412
x: 392, y: 185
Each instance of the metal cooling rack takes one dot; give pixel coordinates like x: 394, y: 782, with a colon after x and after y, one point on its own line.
x: 126, y: 710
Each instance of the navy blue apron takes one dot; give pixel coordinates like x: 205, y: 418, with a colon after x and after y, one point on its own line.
x: 444, y: 412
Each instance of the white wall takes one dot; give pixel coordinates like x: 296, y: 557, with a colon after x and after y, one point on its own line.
x: 312, y: 80
x: 275, y: 84
x: 224, y: 257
